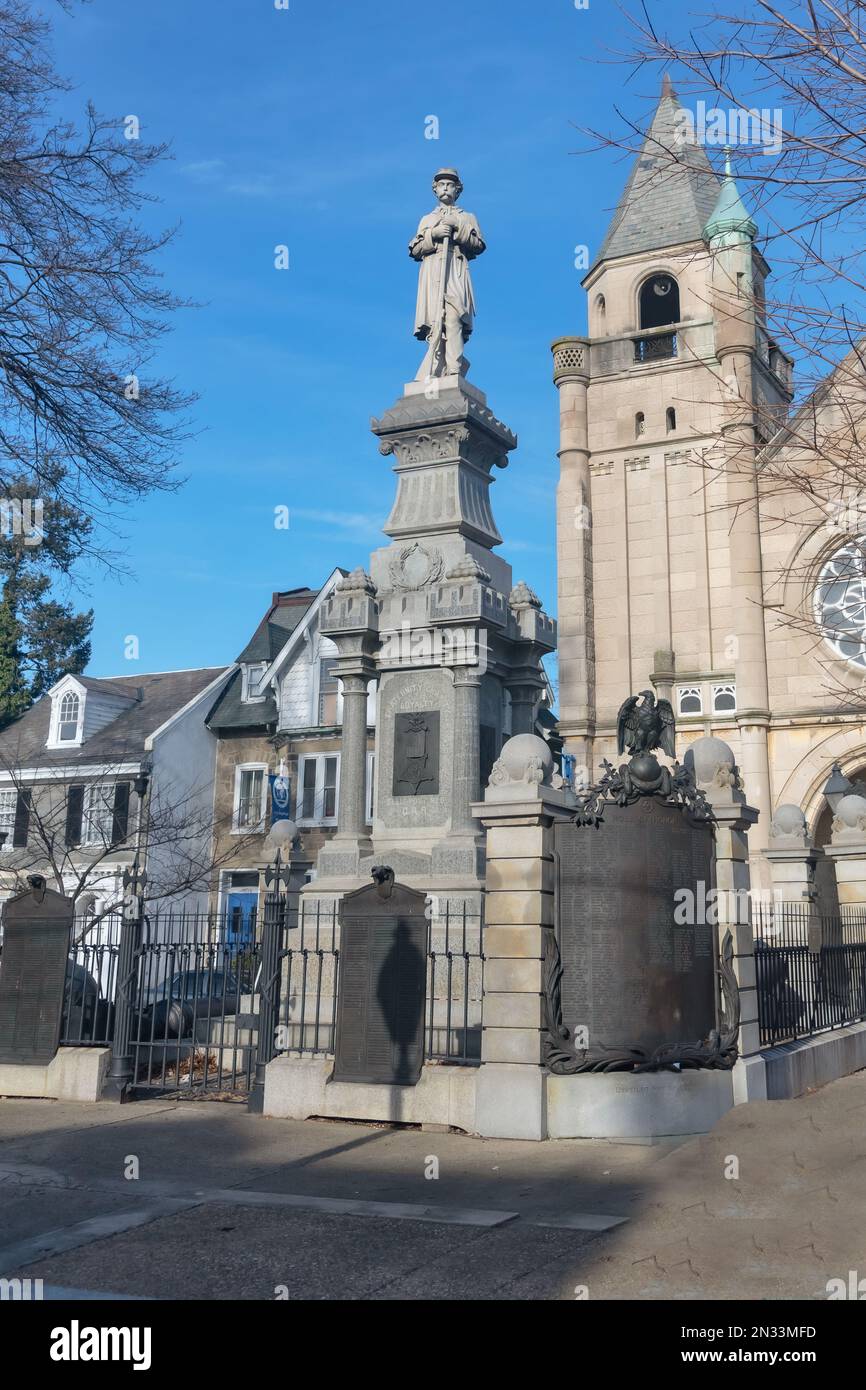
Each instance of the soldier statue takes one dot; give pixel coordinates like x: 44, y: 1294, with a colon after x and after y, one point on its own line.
x: 446, y: 241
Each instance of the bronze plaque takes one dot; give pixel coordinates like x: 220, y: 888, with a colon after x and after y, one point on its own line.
x: 36, y: 939
x: 416, y: 754
x: 638, y: 967
x: 382, y: 986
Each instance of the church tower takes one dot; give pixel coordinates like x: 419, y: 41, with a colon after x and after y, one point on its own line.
x: 662, y: 408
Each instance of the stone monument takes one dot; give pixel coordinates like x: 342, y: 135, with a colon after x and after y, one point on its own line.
x: 631, y: 974
x: 452, y: 644
x: 37, y: 936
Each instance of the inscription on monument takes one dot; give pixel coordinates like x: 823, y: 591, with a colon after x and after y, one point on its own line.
x: 630, y: 974
x: 382, y: 986
x: 416, y: 754
x: 37, y: 927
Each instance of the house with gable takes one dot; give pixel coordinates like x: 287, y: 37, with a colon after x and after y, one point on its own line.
x: 279, y: 716
x: 74, y: 767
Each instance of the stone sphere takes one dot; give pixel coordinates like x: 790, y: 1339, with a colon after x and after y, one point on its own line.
x: 705, y: 756
x: 851, y: 809
x: 281, y: 836
x: 519, y: 751
x: 789, y: 820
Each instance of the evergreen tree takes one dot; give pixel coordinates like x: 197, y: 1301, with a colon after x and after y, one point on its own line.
x: 41, y: 638
x: 14, y: 697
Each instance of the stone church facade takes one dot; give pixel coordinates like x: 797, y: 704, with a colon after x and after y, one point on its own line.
x: 681, y: 568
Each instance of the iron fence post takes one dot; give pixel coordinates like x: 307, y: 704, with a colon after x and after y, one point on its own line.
x: 121, y: 1073
x: 122, y: 1070
x: 269, y: 987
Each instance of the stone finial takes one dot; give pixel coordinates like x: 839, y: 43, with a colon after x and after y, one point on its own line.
x: 358, y: 582
x: 468, y: 568
x: 849, y: 823
x: 712, y: 762
x: 788, y: 828
x: 525, y: 760
x: 522, y: 596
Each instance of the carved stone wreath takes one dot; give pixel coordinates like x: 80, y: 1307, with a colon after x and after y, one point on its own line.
x: 408, y: 574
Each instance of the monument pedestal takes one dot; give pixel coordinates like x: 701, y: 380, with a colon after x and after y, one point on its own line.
x: 620, y: 1105
x: 450, y: 641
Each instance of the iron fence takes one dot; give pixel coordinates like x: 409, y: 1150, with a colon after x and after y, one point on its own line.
x: 309, y: 982
x: 194, y: 993
x: 810, y: 969
x: 455, y: 985
x: 309, y: 962
x: 91, y: 981
x: 91, y: 975
x: 195, y: 1004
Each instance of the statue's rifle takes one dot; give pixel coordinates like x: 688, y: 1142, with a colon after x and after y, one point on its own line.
x: 446, y: 266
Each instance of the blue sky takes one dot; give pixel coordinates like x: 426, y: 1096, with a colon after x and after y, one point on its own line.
x: 307, y: 127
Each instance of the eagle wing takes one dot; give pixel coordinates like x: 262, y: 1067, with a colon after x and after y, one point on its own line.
x: 627, y: 722
x: 668, y: 727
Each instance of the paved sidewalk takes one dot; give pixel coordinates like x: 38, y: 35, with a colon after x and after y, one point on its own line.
x: 229, y: 1205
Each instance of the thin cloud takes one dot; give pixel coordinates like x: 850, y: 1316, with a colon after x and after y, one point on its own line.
x: 355, y: 524
x: 215, y: 173
x: 204, y: 170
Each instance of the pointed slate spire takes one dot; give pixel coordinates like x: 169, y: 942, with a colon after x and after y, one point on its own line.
x: 729, y: 214
x: 665, y: 202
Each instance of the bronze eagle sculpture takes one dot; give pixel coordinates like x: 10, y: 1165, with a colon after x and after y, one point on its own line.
x: 642, y: 727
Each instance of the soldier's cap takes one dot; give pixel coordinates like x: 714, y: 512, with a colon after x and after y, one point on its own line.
x: 447, y: 174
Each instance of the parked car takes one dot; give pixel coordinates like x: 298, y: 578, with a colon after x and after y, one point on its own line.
x: 207, y: 984
x: 87, y: 1015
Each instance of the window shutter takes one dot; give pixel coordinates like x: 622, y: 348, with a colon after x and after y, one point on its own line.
x: 22, y: 819
x: 120, y: 823
x: 74, y: 813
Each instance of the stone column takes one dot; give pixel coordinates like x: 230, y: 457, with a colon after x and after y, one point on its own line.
x: 571, y: 374
x: 520, y: 806
x: 351, y: 619
x: 466, y: 762
x: 351, y: 811
x: 792, y: 857
x: 847, y: 849
x: 716, y: 774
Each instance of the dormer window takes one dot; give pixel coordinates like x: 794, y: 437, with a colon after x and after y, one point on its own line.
x: 67, y: 719
x: 251, y: 682
x: 66, y: 725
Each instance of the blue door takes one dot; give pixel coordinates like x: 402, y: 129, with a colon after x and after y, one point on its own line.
x: 241, y: 916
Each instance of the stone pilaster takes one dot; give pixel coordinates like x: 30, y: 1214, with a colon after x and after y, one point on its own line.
x: 663, y: 674
x: 716, y: 775
x: 518, y: 813
x: 792, y: 857
x: 847, y: 850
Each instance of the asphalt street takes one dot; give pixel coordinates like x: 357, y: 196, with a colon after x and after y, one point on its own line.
x: 200, y: 1200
